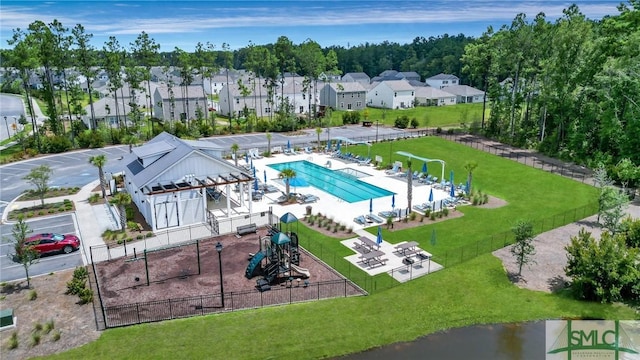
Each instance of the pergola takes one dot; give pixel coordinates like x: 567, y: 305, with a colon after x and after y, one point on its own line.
x: 410, y: 155
x: 353, y: 142
x: 198, y: 183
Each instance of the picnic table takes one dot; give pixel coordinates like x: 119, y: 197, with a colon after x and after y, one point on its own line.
x: 373, y: 258
x: 407, y: 248
x: 368, y: 243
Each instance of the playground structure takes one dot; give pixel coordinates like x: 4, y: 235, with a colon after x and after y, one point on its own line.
x: 277, y: 261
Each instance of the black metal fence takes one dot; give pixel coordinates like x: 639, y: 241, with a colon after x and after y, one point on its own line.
x: 287, y: 293
x: 500, y: 240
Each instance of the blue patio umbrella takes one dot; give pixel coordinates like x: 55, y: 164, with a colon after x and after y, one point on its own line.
x: 393, y: 201
x: 371, y: 206
x: 252, y: 166
x: 288, y: 144
x: 246, y: 157
x: 338, y: 146
x: 255, y: 184
x: 424, y: 168
x: 431, y: 195
x: 452, y: 193
x: 265, y: 176
x: 379, y: 238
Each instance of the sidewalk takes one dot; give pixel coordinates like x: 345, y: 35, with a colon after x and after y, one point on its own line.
x: 90, y: 220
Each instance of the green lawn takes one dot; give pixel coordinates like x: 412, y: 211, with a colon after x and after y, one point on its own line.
x: 477, y: 292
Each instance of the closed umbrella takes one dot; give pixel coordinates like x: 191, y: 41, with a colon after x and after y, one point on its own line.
x: 255, y: 184
x: 252, y: 165
x: 393, y: 201
x: 431, y: 195
x: 265, y: 177
x: 338, y: 146
x: 371, y: 206
x: 288, y: 145
x: 452, y: 193
x: 379, y: 238
x: 246, y: 157
x: 424, y: 168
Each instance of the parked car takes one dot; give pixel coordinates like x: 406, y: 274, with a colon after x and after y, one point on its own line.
x: 54, y: 243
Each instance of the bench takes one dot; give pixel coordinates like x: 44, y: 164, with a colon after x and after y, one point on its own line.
x: 247, y: 229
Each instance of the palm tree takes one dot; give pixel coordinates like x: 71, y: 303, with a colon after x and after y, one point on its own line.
x: 99, y: 161
x: 470, y: 166
x: 268, y: 143
x: 318, y: 132
x: 287, y: 174
x: 121, y: 200
x: 234, y: 150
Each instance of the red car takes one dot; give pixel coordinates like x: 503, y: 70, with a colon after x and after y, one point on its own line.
x: 53, y: 243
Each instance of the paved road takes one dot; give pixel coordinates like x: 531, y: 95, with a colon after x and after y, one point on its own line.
x: 10, y: 270
x: 11, y: 107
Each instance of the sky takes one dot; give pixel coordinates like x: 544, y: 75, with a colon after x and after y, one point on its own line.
x: 344, y: 23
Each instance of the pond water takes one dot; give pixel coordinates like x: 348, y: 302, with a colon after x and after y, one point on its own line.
x: 520, y: 341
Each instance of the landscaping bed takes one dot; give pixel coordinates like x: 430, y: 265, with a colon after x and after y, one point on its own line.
x: 61, y: 207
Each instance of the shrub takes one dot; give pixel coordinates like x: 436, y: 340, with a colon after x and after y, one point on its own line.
x: 35, y: 339
x: 32, y: 295
x: 48, y: 326
x: 30, y: 214
x: 349, y: 230
x: 37, y: 327
x: 412, y: 216
x: 75, y: 286
x: 86, y: 296
x: 93, y: 198
x: 13, y: 341
x: 445, y: 211
x: 139, y: 237
x: 149, y: 234
x: 427, y: 212
x: 130, y: 213
x: 342, y: 227
x: 432, y: 216
x: 56, y: 335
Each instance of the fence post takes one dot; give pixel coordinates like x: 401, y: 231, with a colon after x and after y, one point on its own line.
x: 138, y: 312
x: 198, y: 252
x: 146, y: 266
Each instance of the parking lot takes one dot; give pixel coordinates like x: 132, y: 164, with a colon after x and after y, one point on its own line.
x: 64, y: 224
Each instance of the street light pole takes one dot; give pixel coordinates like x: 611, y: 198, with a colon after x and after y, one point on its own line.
x: 219, y: 250
x: 7, y: 124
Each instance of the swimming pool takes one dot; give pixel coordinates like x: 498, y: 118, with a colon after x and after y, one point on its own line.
x: 347, y: 188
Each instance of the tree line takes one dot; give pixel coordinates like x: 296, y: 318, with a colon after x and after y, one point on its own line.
x: 569, y: 88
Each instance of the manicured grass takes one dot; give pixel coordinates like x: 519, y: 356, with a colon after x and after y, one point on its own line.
x: 427, y: 116
x: 477, y: 292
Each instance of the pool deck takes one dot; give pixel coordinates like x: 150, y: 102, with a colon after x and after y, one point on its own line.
x: 344, y: 212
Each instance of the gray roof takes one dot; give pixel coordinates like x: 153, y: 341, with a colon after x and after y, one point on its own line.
x: 399, y: 85
x: 463, y: 90
x: 191, y: 92
x: 357, y: 76
x: 443, y: 77
x: 347, y: 87
x: 176, y: 150
x: 429, y: 92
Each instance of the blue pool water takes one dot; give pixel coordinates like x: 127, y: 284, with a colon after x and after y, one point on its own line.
x: 337, y: 183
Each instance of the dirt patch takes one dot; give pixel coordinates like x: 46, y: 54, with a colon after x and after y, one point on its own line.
x: 76, y: 323
x: 547, y: 273
x: 173, y: 273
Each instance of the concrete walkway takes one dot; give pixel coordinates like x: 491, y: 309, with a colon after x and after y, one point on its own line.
x: 91, y: 220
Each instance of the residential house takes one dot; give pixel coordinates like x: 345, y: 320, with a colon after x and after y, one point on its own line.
x: 429, y: 96
x: 465, y: 94
x: 179, y: 102
x: 442, y: 80
x: 358, y: 77
x: 344, y: 96
x: 169, y: 178
x: 106, y: 111
x: 329, y: 76
x: 391, y: 94
x: 389, y: 75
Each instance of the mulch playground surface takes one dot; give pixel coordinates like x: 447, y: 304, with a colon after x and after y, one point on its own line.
x: 173, y: 272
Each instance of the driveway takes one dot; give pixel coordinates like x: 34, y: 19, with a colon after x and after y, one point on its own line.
x: 64, y: 224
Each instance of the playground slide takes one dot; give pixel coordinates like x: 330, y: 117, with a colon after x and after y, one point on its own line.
x: 300, y: 271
